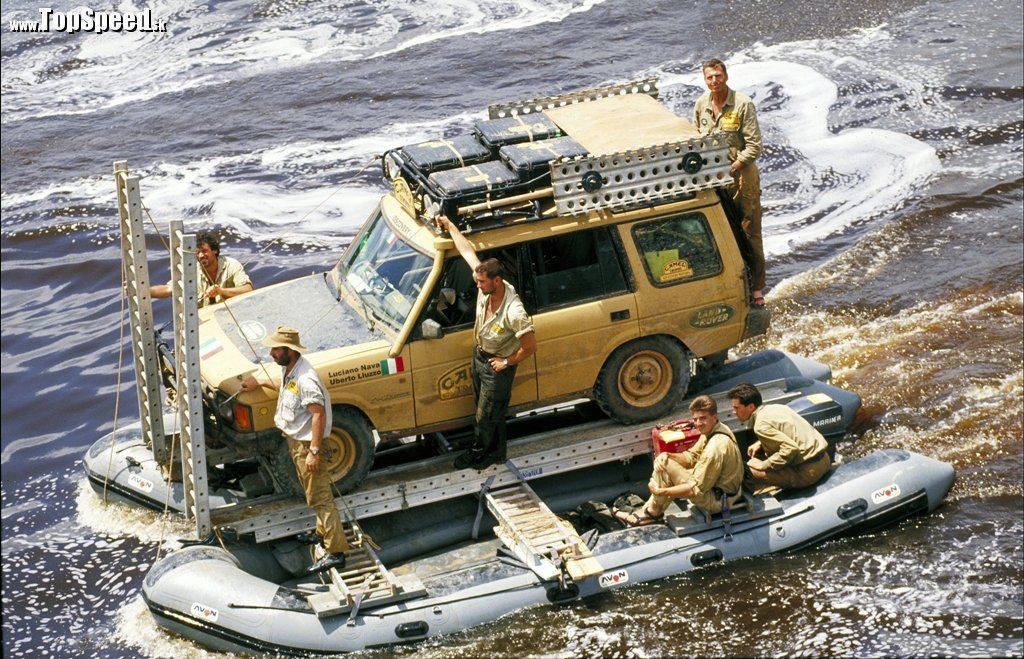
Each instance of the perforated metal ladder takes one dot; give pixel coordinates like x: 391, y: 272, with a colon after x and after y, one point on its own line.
x: 639, y: 178
x: 537, y: 537
x: 189, y: 402
x: 140, y: 311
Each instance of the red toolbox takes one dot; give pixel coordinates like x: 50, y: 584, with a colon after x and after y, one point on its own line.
x: 675, y: 437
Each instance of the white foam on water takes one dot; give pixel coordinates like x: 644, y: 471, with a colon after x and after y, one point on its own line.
x: 115, y: 519
x: 136, y: 628
x: 212, y: 44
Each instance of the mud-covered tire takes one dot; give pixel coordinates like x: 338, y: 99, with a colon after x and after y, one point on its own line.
x: 347, y: 452
x: 643, y: 380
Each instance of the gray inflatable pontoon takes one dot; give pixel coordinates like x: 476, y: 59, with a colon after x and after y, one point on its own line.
x: 237, y: 601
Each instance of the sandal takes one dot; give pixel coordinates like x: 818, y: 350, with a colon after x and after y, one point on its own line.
x: 635, y: 519
x: 758, y: 301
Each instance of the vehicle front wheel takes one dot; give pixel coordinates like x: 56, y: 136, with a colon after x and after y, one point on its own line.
x: 643, y: 380
x: 347, y: 452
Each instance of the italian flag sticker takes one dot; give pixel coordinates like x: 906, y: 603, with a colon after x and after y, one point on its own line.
x: 209, y: 348
x: 392, y: 366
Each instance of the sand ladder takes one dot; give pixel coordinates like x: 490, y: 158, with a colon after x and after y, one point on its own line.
x: 363, y: 583
x: 544, y: 543
x: 140, y: 311
x: 189, y: 402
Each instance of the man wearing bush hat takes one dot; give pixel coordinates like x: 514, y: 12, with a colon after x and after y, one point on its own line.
x: 304, y: 418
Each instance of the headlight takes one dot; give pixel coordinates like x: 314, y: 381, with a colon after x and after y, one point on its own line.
x: 391, y: 167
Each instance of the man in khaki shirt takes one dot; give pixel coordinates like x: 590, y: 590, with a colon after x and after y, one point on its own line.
x: 220, y: 277
x: 792, y: 453
x: 712, y: 469
x: 729, y: 113
x: 503, y: 337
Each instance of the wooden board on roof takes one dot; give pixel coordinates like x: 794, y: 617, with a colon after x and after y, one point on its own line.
x: 621, y: 123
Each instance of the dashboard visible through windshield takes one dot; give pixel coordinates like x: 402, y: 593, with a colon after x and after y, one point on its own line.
x: 383, y: 274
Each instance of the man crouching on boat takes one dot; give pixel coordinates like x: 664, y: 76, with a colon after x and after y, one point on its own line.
x: 706, y: 475
x: 304, y: 418
x: 789, y: 453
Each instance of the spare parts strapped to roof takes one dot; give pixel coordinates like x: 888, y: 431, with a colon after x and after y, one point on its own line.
x: 612, y: 148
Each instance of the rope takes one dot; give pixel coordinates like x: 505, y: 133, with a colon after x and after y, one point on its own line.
x: 167, y: 496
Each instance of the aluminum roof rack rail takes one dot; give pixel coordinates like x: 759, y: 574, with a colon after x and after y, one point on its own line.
x: 647, y: 86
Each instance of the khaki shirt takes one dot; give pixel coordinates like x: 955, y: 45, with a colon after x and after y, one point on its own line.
x: 786, y: 437
x: 499, y: 334
x: 299, y: 389
x: 230, y: 274
x: 716, y: 461
x: 738, y: 123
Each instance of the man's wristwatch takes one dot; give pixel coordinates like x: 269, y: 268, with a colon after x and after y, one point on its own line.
x: 505, y: 359
x: 315, y: 450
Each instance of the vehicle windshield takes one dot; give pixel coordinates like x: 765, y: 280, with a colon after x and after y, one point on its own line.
x: 383, y: 273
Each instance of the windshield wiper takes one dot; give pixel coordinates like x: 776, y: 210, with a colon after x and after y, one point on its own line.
x: 370, y: 325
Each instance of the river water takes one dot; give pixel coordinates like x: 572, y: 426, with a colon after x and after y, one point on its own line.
x: 893, y: 211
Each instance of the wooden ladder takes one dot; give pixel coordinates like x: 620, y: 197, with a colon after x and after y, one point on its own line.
x: 364, y: 581
x: 537, y: 537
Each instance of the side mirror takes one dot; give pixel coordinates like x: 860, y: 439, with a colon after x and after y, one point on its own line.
x: 446, y: 299
x: 431, y: 329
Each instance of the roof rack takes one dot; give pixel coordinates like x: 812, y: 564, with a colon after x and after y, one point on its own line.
x: 647, y: 86
x: 454, y: 177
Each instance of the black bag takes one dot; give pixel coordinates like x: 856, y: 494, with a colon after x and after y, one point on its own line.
x: 629, y: 502
x: 435, y: 155
x: 600, y: 515
x: 530, y: 160
x: 474, y: 181
x: 496, y: 133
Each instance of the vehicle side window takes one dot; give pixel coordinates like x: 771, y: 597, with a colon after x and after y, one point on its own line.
x: 677, y: 249
x: 582, y: 265
x: 457, y: 276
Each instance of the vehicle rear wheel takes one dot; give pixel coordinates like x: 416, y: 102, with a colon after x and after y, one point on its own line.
x: 642, y: 380
x: 347, y: 452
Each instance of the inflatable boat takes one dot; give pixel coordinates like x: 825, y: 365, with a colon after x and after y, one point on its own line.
x: 245, y: 597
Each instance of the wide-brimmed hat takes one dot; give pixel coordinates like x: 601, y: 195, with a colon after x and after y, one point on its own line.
x: 284, y: 337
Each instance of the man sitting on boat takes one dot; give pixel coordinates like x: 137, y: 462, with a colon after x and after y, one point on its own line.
x: 789, y: 453
x: 220, y: 277
x: 706, y: 475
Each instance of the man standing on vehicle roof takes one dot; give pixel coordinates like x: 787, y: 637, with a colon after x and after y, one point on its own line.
x: 708, y: 475
x: 304, y: 418
x: 794, y: 454
x: 220, y: 277
x: 730, y: 113
x: 503, y: 337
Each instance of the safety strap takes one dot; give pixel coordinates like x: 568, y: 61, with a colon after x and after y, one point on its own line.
x: 727, y: 515
x: 462, y: 163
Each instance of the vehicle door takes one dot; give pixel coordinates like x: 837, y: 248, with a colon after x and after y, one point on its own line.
x: 442, y: 388
x: 685, y: 286
x: 582, y: 307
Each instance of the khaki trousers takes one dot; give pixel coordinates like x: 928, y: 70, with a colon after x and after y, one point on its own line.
x: 747, y: 195
x: 792, y: 477
x: 317, y: 486
x: 677, y: 474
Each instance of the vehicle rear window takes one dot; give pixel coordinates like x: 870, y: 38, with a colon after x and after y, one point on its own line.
x: 677, y: 249
x: 583, y: 265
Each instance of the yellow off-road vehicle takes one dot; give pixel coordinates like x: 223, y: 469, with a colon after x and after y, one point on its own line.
x: 607, y: 213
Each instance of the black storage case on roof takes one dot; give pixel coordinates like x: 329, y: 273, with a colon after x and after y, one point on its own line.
x: 473, y: 181
x: 436, y: 155
x: 496, y: 133
x: 531, y: 160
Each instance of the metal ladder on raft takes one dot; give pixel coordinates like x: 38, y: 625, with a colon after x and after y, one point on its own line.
x: 536, y: 536
x: 363, y: 583
x: 188, y: 399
